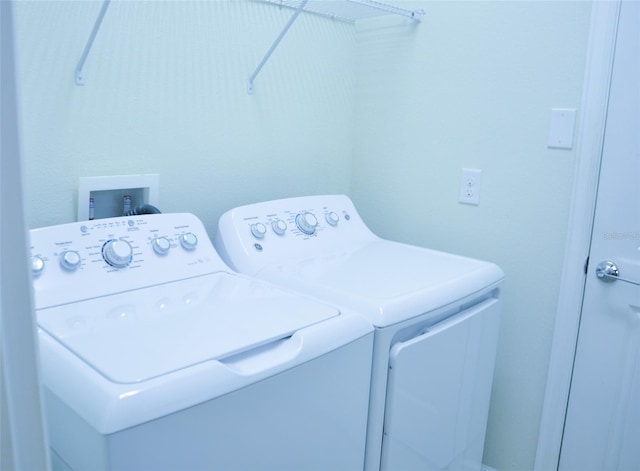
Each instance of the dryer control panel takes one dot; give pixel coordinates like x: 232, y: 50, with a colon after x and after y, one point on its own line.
x: 262, y: 234
x: 83, y: 260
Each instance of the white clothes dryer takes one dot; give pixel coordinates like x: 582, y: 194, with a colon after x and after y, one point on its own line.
x: 155, y: 356
x: 436, y: 319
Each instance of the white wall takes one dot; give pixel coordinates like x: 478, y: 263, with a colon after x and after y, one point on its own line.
x: 473, y: 87
x: 389, y: 115
x: 166, y: 93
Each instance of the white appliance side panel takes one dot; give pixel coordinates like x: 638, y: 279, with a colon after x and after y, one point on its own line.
x: 312, y: 417
x: 110, y: 407
x: 438, y: 393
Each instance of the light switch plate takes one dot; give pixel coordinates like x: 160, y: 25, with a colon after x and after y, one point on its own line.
x: 561, y: 128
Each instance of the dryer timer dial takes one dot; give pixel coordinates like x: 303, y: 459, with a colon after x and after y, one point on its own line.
x: 306, y: 222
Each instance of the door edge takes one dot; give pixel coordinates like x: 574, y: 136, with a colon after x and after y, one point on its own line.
x: 598, y: 69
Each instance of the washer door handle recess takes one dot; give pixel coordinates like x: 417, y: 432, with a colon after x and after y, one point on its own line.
x: 608, y: 271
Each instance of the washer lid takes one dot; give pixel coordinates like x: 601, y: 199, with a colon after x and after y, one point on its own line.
x: 387, y: 281
x: 138, y: 335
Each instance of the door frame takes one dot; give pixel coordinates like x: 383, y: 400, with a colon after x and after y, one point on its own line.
x: 23, y: 443
x: 592, y: 118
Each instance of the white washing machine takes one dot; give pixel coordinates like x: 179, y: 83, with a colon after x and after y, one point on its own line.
x: 436, y: 318
x: 155, y: 356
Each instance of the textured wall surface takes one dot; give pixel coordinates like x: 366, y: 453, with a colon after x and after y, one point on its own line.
x: 473, y: 87
x: 386, y: 111
x: 166, y: 93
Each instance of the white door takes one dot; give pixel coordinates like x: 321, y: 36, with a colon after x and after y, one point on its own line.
x: 602, y: 429
x: 438, y: 393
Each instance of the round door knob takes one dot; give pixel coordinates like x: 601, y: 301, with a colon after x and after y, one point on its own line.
x: 258, y: 230
x: 608, y: 271
x: 117, y: 253
x: 37, y: 265
x: 279, y: 227
x: 189, y: 241
x: 161, y: 245
x: 70, y: 259
x: 332, y: 218
x: 307, y: 222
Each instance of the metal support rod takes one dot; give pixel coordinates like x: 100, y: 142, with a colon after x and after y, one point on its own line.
x: 414, y: 14
x: 96, y: 27
x: 274, y: 46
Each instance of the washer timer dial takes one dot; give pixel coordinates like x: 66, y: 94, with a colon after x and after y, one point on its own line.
x: 117, y: 253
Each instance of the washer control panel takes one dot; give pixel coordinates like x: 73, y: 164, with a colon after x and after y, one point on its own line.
x: 83, y: 260
x: 264, y: 233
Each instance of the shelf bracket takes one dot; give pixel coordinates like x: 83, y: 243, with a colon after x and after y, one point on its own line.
x: 79, y: 75
x: 416, y: 15
x: 274, y: 46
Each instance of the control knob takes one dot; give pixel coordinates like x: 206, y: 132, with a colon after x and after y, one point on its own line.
x: 279, y: 227
x: 306, y: 222
x: 117, y: 253
x: 161, y: 245
x: 37, y: 265
x: 70, y: 259
x: 189, y: 241
x: 332, y: 218
x: 258, y: 230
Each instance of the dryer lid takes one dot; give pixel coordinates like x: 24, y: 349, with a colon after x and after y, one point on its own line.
x: 141, y: 334
x: 387, y: 281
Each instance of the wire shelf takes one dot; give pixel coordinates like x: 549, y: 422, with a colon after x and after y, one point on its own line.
x: 348, y: 10
x: 342, y: 10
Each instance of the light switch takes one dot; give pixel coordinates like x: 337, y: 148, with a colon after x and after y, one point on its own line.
x: 561, y: 128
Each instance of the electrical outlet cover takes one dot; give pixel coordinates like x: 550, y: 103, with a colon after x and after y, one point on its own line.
x: 470, y: 186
